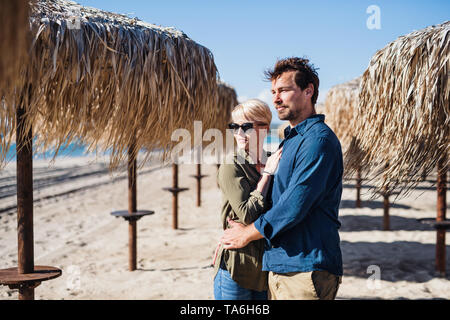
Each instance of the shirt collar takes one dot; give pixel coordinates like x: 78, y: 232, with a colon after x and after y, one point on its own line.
x: 303, y: 126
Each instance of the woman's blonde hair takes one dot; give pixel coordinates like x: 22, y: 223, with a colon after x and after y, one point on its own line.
x: 252, y: 110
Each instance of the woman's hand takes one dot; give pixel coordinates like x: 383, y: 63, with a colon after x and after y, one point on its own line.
x: 272, y: 162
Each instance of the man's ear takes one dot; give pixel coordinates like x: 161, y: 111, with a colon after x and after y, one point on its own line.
x: 309, y: 90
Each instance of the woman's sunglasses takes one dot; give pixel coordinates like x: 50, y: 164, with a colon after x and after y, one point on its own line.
x: 245, y: 126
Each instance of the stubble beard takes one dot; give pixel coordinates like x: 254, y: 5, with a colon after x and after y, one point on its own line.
x: 285, y: 114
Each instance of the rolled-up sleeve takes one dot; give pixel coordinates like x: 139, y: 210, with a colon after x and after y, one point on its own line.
x: 313, y: 164
x: 246, y: 203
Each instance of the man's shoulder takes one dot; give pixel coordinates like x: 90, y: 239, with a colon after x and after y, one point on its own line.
x: 320, y: 138
x: 321, y: 132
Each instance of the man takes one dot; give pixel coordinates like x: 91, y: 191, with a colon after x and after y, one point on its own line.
x: 302, y: 249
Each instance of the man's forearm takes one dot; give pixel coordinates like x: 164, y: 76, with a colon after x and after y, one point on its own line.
x: 238, y: 236
x: 253, y: 233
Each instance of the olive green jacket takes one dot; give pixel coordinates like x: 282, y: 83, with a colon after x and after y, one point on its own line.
x: 243, y: 204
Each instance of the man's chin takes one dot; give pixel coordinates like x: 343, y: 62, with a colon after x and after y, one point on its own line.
x: 284, y: 116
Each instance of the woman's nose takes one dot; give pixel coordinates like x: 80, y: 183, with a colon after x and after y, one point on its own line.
x: 241, y: 132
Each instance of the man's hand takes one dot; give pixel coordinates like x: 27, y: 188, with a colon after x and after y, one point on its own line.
x: 238, y: 236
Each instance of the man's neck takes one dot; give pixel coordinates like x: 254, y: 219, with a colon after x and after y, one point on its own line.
x: 295, y: 122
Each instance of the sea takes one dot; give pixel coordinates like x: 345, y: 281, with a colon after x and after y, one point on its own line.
x: 80, y: 150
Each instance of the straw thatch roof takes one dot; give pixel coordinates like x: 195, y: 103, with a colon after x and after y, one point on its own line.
x: 110, y: 81
x: 280, y: 129
x: 403, y: 116
x: 14, y: 35
x: 339, y: 107
x: 320, y: 107
x: 14, y: 39
x: 227, y: 101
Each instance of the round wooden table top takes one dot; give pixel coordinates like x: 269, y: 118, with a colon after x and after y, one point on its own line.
x: 11, y: 276
x: 443, y: 225
x: 176, y: 190
x: 198, y: 176
x: 126, y: 214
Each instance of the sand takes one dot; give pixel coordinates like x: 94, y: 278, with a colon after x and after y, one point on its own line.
x: 73, y: 230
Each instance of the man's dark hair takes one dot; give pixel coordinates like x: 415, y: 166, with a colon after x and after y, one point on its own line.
x: 305, y: 73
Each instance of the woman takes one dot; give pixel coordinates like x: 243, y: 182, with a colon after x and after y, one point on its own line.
x: 244, y: 181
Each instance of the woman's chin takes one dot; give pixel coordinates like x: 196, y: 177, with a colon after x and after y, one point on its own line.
x: 242, y: 144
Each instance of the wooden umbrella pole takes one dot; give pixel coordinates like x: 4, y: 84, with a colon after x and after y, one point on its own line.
x: 24, y: 152
x: 199, y: 185
x: 175, y: 196
x: 132, y: 208
x: 441, y: 211
x: 424, y: 175
x: 386, y: 222
x: 358, y: 187
x: 175, y: 190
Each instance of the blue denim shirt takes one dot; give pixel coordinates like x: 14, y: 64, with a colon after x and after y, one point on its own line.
x: 301, y: 229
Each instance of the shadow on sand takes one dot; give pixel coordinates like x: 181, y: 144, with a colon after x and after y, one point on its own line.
x: 371, y: 204
x: 374, y: 223
x: 397, y: 261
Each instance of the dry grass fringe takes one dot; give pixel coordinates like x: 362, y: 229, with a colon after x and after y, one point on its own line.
x: 227, y: 102
x: 339, y: 107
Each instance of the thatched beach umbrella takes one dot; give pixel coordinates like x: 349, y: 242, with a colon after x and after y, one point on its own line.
x: 227, y: 100
x: 113, y: 82
x: 119, y: 80
x: 402, y: 125
x: 281, y: 128
x: 403, y: 116
x: 339, y: 107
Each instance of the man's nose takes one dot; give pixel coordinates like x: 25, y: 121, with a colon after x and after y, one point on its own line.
x: 276, y: 98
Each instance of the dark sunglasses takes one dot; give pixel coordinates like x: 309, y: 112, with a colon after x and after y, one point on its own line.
x: 245, y: 126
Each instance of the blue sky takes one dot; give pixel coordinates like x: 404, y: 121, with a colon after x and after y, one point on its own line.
x: 246, y: 37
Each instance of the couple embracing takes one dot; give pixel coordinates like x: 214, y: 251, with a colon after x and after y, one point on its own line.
x: 280, y: 219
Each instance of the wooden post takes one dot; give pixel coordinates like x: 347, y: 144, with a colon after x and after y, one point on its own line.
x: 386, y: 222
x: 441, y: 212
x: 24, y: 152
x: 423, y: 175
x: 199, y: 185
x: 175, y: 196
x: 132, y: 208
x: 358, y: 188
x: 218, y: 166
x: 175, y: 190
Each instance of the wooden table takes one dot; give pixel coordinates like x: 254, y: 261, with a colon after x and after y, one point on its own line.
x: 132, y: 218
x: 26, y: 282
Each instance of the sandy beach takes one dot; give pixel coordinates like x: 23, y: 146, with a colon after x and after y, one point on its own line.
x: 73, y: 230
